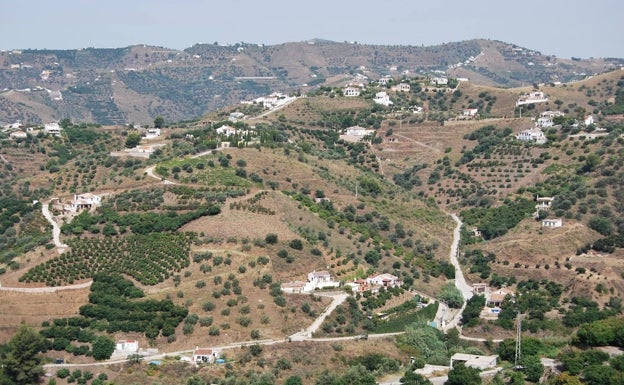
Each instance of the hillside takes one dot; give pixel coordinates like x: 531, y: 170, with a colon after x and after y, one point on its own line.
x: 135, y: 84
x: 192, y: 241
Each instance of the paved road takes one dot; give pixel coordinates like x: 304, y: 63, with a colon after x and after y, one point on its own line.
x: 47, y: 289
x: 56, y: 230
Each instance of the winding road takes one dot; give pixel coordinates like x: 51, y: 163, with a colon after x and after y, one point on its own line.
x: 56, y: 229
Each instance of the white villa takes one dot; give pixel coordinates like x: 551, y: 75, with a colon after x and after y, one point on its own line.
x: 544, y: 122
x: 401, y: 87
x: 84, y: 202
x: 384, y: 280
x: 552, y: 114
x: 544, y: 203
x: 385, y: 80
x: 589, y: 120
x: 205, y: 355
x: 439, y: 81
x: 470, y: 112
x: 552, y: 223
x: 351, y: 91
x: 532, y: 135
x: 126, y: 346
x: 382, y: 98
x: 533, y: 97
x: 226, y: 130
x: 358, y: 131
x: 52, y: 129
x: 294, y: 287
x: 474, y: 361
x: 152, y: 133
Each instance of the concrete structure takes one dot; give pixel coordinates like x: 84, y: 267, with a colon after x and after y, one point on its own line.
x: 552, y: 223
x: 544, y: 122
x: 18, y: 135
x: 532, y: 135
x: 543, y: 203
x: 474, y: 361
x: 151, y: 133
x: 205, y: 355
x: 84, y: 202
x: 588, y: 120
x: 294, y: 287
x: 480, y: 288
x: 470, y: 112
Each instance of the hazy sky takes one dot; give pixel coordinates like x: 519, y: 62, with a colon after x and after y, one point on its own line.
x: 561, y: 27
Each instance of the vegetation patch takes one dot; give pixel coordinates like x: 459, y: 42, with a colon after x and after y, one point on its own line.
x: 149, y: 259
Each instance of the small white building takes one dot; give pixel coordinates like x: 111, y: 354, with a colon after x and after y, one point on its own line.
x: 552, y: 223
x: 544, y: 122
x: 402, y: 87
x: 319, y: 276
x: 552, y: 114
x: 384, y: 280
x: 52, y: 129
x: 470, y: 112
x: 226, y: 130
x: 151, y: 133
x: 294, y: 287
x: 543, y: 203
x: 205, y: 355
x: 589, y: 120
x: 439, y: 81
x: 84, y: 202
x: 531, y: 98
x: 126, y: 346
x: 351, y: 91
x: 532, y: 135
x: 382, y: 98
x: 385, y: 80
x: 18, y: 135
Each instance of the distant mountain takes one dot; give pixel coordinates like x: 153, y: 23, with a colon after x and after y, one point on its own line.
x: 137, y: 83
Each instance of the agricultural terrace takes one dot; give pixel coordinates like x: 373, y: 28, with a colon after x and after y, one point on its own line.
x: 212, y: 169
x: 150, y: 259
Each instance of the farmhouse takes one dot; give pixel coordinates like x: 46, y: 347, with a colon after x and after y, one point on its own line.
x: 532, y: 135
x: 385, y: 280
x: 552, y: 223
x: 84, y: 202
x: 205, y: 355
x: 126, y: 346
x: 351, y: 91
x: 496, y: 298
x: 544, y: 203
x: 439, y: 81
x: 470, y: 112
x: 382, y: 98
x: 18, y: 135
x: 294, y: 287
x: 52, y: 129
x: 151, y: 133
x: 226, y: 130
x: 319, y: 280
x: 531, y: 98
x: 402, y: 87
x: 588, y: 120
x: 544, y: 122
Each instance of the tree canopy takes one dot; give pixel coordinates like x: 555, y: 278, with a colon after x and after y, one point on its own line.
x: 22, y: 362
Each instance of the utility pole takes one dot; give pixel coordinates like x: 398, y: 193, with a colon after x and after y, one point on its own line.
x: 356, y: 190
x: 518, y: 357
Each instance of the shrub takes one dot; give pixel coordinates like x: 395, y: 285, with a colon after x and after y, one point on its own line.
x: 296, y: 244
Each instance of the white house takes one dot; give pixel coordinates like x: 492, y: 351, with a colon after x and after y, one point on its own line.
x: 126, y: 346
x: 151, y: 133
x: 385, y: 80
x: 18, y: 135
x: 351, y: 91
x: 533, y: 97
x: 439, y: 81
x: 385, y: 280
x: 319, y: 277
x: 294, y: 287
x: 205, y: 355
x: 382, y: 98
x: 552, y: 114
x: 544, y: 203
x: 358, y: 131
x: 234, y: 116
x: 544, y: 122
x: 402, y: 87
x: 52, y: 129
x: 474, y: 361
x: 84, y: 202
x: 532, y: 135
x: 470, y: 112
x: 226, y: 130
x: 589, y: 119
x: 552, y: 223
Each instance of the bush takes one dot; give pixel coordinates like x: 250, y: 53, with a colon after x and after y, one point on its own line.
x: 271, y: 238
x: 296, y: 244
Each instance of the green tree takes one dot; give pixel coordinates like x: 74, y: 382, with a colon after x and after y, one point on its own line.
x: 411, y: 378
x: 451, y: 295
x: 159, y: 122
x: 103, y: 348
x: 293, y: 380
x: 22, y: 363
x: 422, y: 340
x: 133, y: 140
x: 474, y: 305
x: 533, y: 367
x: 462, y: 375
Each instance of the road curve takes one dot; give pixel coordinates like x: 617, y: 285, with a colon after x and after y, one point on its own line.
x: 56, y: 230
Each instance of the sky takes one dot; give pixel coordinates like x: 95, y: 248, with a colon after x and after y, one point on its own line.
x: 564, y: 28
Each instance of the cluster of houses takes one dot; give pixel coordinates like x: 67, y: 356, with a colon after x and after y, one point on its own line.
x: 79, y: 203
x: 322, y: 279
x: 18, y: 131
x: 274, y: 100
